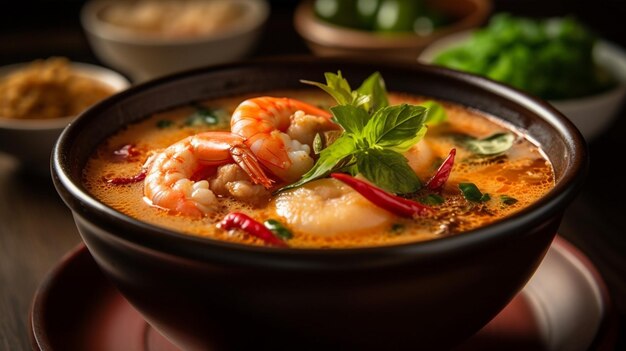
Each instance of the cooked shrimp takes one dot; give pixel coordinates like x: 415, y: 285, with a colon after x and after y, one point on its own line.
x: 421, y: 159
x: 169, y: 183
x: 231, y: 180
x: 327, y: 207
x: 279, y: 131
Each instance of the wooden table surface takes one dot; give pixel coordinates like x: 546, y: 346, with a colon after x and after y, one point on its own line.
x: 36, y: 229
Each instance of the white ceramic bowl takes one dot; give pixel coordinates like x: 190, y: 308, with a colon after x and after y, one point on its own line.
x: 31, y: 140
x: 592, y: 114
x: 144, y: 57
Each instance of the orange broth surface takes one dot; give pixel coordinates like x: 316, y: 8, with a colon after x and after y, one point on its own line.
x: 523, y: 173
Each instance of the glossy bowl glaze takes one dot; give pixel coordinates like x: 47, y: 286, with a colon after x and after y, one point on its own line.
x: 201, y: 292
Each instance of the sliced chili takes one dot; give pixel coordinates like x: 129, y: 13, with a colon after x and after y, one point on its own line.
x: 237, y: 220
x: 443, y: 173
x: 127, y: 180
x: 392, y: 203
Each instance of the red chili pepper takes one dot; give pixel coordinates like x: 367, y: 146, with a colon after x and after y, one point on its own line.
x: 237, y: 220
x: 127, y: 180
x: 392, y: 203
x: 441, y: 176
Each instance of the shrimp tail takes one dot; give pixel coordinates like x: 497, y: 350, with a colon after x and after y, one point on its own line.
x: 242, y: 155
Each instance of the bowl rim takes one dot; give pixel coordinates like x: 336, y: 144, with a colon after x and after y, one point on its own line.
x: 162, y: 240
x: 323, y: 33
x: 103, y: 75
x: 255, y: 15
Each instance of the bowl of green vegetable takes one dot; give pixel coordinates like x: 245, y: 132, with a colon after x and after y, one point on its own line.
x: 383, y: 28
x: 557, y: 59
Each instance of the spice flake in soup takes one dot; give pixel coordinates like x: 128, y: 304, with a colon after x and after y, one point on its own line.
x: 308, y: 169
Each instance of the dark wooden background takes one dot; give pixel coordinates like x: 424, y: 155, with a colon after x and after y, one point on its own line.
x: 36, y: 229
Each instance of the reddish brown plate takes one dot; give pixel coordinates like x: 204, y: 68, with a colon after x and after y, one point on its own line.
x: 564, y: 306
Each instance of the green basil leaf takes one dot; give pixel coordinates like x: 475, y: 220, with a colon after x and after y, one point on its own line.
x: 331, y: 158
x: 374, y: 86
x: 388, y: 169
x: 278, y: 228
x: 435, y: 113
x: 507, y: 200
x: 471, y: 193
x: 397, y: 228
x: 396, y: 127
x: 351, y: 118
x: 432, y: 200
x: 336, y: 86
x: 318, y: 144
x: 202, y: 116
x: 491, y: 145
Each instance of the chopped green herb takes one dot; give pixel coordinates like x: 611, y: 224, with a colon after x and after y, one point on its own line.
x: 397, y: 228
x: 507, y: 200
x: 202, y: 116
x: 471, y: 193
x: 491, y: 145
x: 435, y: 113
x: 164, y: 123
x: 370, y: 96
x: 432, y: 200
x: 278, y: 228
x: 318, y: 144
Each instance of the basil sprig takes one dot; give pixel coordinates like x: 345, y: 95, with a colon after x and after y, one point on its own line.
x: 370, y: 96
x: 471, y: 193
x: 375, y: 135
x: 492, y: 145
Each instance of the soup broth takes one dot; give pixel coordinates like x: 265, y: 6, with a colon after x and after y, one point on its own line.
x: 326, y: 213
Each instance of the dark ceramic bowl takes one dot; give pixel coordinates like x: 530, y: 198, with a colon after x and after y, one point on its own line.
x: 201, y: 293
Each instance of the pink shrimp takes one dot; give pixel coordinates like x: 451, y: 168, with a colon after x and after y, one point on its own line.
x: 168, y: 183
x: 280, y: 131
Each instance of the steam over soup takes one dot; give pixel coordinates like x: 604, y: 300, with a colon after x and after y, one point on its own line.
x: 306, y: 170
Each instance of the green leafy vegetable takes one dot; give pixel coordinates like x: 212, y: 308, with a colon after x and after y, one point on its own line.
x: 353, y: 120
x: 432, y: 200
x: 371, y: 95
x: 471, y: 193
x: 388, y: 169
x: 491, y: 145
x: 373, y: 151
x: 435, y: 113
x: 324, y: 139
x: 278, y: 228
x: 383, y: 16
x: 337, y: 87
x: 374, y: 137
x: 374, y: 87
x: 507, y: 200
x: 334, y: 157
x: 202, y: 116
x: 397, y: 228
x: 164, y: 123
x: 550, y: 58
x: 396, y: 127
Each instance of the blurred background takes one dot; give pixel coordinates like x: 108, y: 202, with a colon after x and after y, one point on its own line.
x: 23, y: 24
x: 34, y: 29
